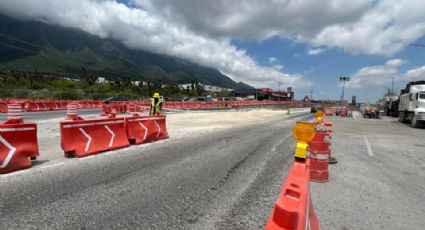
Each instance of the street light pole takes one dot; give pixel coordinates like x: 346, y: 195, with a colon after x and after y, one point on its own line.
x: 392, y: 86
x: 343, y: 79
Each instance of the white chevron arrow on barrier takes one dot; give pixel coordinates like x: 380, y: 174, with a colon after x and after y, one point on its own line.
x: 88, y: 139
x: 10, y: 154
x: 113, y: 135
x: 146, y: 130
x: 159, y: 129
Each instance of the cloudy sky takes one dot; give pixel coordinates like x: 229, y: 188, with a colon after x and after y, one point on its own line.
x: 306, y: 44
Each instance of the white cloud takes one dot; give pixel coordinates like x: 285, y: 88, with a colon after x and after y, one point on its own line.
x: 375, y: 75
x: 272, y: 60
x: 382, y: 75
x: 142, y: 29
x: 315, y: 52
x: 247, y: 19
x: 278, y: 67
x: 360, y: 27
x: 385, y: 29
x: 395, y: 63
x: 415, y: 74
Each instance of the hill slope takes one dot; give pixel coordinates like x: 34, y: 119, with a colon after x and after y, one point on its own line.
x: 31, y: 45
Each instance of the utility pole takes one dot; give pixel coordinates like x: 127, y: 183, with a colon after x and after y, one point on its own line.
x: 392, y: 86
x: 343, y: 79
x: 311, y: 94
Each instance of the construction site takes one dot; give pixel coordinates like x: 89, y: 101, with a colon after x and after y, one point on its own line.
x: 203, y: 168
x: 205, y: 115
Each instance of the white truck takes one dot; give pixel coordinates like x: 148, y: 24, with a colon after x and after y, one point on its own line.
x: 412, y: 103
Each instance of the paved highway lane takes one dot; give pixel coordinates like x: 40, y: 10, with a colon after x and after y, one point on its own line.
x: 225, y: 179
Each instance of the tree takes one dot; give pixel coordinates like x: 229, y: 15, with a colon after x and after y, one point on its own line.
x: 90, y: 79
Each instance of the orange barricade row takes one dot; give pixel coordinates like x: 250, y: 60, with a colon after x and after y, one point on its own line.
x: 3, y: 107
x: 18, y: 144
x: 294, y: 207
x: 144, y: 129
x: 81, y: 138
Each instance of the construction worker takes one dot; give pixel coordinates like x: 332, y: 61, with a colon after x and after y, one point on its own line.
x: 156, y: 105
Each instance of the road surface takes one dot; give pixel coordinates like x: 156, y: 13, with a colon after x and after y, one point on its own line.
x: 225, y: 178
x: 379, y: 181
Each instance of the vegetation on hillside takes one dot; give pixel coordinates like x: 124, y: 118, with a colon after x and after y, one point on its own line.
x: 53, y: 50
x: 37, y: 86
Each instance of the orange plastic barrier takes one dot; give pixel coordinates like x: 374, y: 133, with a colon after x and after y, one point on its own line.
x: 18, y: 144
x: 329, y: 111
x: 320, y: 151
x: 3, y: 107
x: 106, y: 110
x: 87, y: 137
x: 144, y: 129
x: 294, y: 207
x: 131, y: 107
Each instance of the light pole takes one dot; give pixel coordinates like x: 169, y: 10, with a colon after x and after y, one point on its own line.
x: 343, y: 79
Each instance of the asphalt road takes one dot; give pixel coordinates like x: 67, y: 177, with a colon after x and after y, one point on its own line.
x: 379, y: 181
x: 228, y: 179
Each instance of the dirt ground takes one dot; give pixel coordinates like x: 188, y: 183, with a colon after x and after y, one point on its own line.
x: 180, y: 124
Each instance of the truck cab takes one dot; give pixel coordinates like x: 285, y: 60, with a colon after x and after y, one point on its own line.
x: 420, y: 106
x: 412, y: 103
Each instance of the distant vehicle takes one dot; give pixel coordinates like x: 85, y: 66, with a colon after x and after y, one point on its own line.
x: 390, y: 104
x: 116, y: 98
x: 412, y: 103
x: 194, y: 99
x: 316, y: 107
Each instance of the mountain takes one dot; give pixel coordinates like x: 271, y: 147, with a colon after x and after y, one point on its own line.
x: 32, y: 45
x: 242, y: 86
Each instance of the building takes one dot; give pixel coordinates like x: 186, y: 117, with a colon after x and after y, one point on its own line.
x: 101, y: 80
x: 265, y: 94
x: 207, y: 88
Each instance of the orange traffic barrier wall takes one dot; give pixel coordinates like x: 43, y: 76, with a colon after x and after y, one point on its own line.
x: 3, y: 107
x: 294, y: 207
x: 144, y: 129
x: 18, y: 145
x: 121, y: 106
x: 81, y: 138
x: 329, y: 111
x: 114, y: 108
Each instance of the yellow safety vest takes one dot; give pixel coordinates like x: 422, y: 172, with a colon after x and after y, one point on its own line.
x: 155, y: 108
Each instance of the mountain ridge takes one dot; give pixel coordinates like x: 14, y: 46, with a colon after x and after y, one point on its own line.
x: 36, y: 46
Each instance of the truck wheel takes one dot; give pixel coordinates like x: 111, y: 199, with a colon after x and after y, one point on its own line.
x: 413, y: 122
x: 401, y: 117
